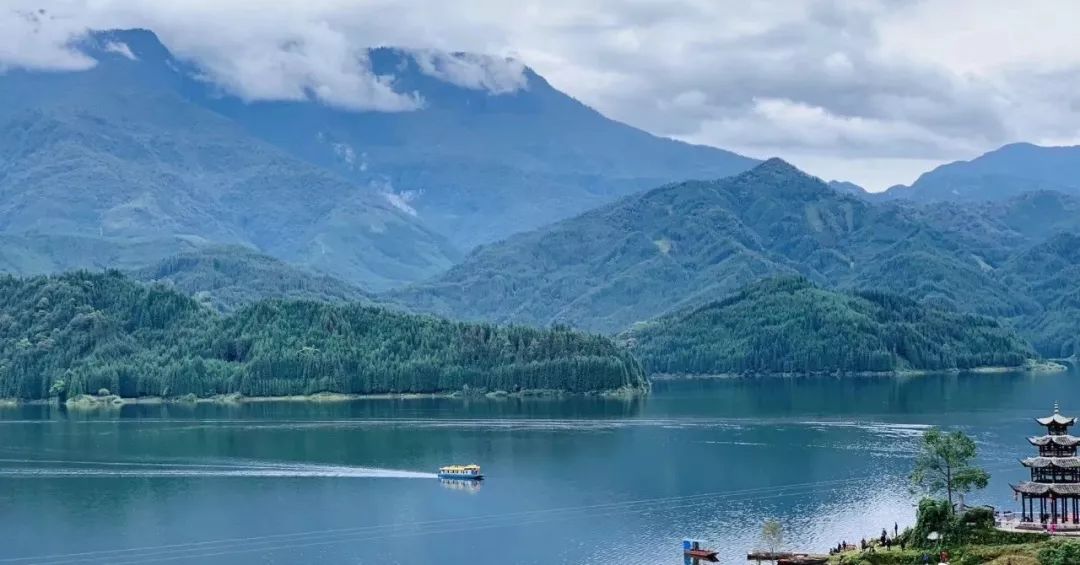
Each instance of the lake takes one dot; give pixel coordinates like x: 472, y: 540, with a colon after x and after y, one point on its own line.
x: 582, y: 480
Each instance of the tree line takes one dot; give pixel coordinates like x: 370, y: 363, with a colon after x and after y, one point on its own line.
x: 82, y: 332
x: 788, y: 325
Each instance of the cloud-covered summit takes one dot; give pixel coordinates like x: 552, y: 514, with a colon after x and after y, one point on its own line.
x: 873, y: 90
x: 314, y: 61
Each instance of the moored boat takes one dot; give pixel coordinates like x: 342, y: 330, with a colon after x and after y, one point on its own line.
x: 696, y: 550
x: 461, y: 472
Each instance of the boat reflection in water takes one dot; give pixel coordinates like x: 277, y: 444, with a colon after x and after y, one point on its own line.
x: 467, y: 485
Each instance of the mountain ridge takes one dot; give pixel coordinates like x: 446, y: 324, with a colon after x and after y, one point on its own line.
x: 676, y: 245
x: 1005, y: 172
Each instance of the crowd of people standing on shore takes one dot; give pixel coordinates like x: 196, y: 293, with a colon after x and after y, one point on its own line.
x: 884, y: 542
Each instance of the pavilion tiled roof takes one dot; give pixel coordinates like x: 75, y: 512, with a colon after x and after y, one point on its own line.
x: 1059, y: 462
x: 1071, y: 489
x: 1066, y: 440
x: 1056, y: 418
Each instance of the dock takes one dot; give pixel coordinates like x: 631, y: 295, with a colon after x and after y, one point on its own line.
x: 787, y: 558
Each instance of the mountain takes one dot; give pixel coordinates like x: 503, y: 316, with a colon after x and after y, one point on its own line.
x: 1000, y: 174
x: 1000, y: 228
x: 139, y: 158
x: 845, y: 187
x: 79, y: 333
x: 114, y: 166
x: 789, y: 325
x: 1048, y: 272
x: 228, y: 277
x: 687, y: 243
x: 478, y: 163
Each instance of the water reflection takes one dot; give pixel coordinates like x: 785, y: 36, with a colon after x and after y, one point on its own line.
x: 471, y: 487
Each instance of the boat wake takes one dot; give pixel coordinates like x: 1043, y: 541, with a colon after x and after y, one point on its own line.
x: 40, y: 468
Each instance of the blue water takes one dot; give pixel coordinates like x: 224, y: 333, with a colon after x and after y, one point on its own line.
x: 581, y: 480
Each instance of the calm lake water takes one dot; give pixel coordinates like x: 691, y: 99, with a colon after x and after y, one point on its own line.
x: 570, y: 481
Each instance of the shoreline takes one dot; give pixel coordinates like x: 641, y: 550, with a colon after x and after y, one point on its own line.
x: 1035, y: 367
x: 93, y: 401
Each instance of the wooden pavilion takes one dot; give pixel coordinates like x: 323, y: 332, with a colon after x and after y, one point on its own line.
x: 1052, y: 496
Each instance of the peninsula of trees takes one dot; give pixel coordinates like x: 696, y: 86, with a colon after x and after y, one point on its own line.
x: 81, y: 332
x: 789, y: 325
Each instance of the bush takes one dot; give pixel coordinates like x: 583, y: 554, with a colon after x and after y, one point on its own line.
x: 103, y: 392
x: 978, y: 518
x: 932, y: 516
x: 1067, y: 553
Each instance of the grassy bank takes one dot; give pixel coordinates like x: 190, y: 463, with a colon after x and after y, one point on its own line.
x: 1031, y: 553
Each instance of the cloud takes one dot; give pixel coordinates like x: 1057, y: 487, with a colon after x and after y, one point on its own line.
x: 33, y: 38
x: 120, y: 48
x: 473, y: 70
x: 774, y: 125
x: 861, y: 81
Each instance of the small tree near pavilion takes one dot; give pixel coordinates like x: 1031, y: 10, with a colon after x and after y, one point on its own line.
x: 944, y: 465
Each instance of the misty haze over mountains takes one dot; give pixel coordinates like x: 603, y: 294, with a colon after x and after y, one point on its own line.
x: 481, y: 192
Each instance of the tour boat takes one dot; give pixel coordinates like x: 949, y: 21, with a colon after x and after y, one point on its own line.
x: 461, y: 472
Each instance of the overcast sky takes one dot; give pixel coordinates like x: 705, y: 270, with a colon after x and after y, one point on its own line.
x: 873, y: 92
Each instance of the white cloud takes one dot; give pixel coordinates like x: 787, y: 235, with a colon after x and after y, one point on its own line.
x: 401, y: 200
x: 33, y: 38
x: 473, y: 70
x: 776, y: 126
x: 120, y: 48
x: 895, y: 84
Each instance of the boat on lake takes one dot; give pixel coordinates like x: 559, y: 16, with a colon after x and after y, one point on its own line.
x: 461, y: 472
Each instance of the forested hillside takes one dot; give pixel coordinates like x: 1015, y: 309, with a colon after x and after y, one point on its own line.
x: 82, y: 332
x: 227, y: 277
x: 1050, y: 274
x: 114, y: 167
x: 683, y: 244
x: 789, y: 325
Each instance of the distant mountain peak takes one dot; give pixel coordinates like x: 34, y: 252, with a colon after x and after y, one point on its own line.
x: 130, y: 44
x: 779, y: 176
x: 1003, y: 173
x: 845, y: 187
x: 776, y: 165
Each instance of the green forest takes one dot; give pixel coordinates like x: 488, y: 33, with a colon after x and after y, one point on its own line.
x: 82, y: 332
x: 226, y: 277
x: 789, y: 325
